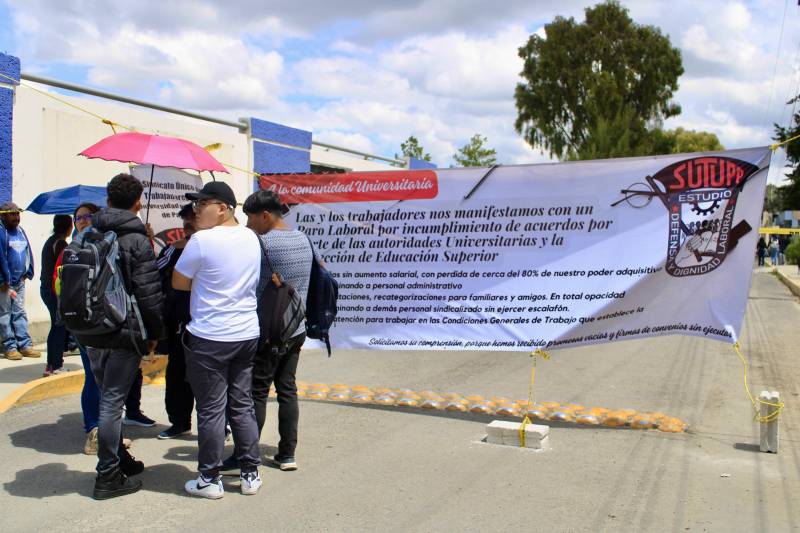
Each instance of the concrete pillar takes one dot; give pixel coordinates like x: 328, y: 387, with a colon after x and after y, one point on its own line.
x: 9, y: 66
x: 769, y: 430
x: 279, y: 149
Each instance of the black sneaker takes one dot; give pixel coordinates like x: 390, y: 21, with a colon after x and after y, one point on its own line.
x: 138, y: 419
x: 129, y: 465
x: 230, y: 467
x: 173, y: 431
x: 114, y: 484
x: 287, y: 464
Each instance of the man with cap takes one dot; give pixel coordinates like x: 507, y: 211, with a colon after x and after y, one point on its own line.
x: 178, y: 399
x: 221, y: 265
x: 16, y: 265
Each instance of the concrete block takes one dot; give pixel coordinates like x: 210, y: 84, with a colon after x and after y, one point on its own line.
x: 507, y: 433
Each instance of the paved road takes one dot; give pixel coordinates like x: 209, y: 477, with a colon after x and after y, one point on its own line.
x: 374, y: 469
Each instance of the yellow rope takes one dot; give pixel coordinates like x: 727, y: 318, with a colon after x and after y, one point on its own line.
x: 775, y: 146
x: 756, y: 401
x: 525, y: 421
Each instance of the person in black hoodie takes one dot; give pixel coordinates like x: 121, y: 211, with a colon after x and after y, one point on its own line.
x: 115, y: 358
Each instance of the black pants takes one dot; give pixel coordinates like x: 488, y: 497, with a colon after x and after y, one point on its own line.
x: 178, y: 398
x: 281, y: 370
x: 133, y: 403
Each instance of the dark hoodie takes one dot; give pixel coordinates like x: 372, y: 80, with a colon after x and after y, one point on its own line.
x: 138, y: 263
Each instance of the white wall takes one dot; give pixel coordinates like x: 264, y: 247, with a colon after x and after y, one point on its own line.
x: 48, y: 135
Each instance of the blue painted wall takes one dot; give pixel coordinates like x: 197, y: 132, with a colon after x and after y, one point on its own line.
x: 420, y: 164
x: 9, y: 66
x: 273, y: 159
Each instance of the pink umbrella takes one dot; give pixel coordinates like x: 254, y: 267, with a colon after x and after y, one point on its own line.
x: 155, y: 150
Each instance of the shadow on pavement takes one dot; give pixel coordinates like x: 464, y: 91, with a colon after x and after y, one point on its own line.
x: 63, y: 437
x: 747, y: 447
x: 52, y: 479
x: 166, y: 478
x: 25, y: 373
x: 55, y: 479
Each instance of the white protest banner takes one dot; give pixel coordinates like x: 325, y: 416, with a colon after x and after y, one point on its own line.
x: 553, y: 255
x: 167, y: 196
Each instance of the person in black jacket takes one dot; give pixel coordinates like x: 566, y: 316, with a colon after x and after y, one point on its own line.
x: 115, y: 358
x: 178, y: 398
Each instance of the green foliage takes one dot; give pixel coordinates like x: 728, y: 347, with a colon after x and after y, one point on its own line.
x: 790, y: 192
x: 792, y: 251
x: 686, y: 141
x: 475, y: 153
x: 587, y: 84
x: 411, y: 148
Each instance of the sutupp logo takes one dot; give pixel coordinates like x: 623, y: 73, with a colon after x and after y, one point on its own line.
x: 700, y: 196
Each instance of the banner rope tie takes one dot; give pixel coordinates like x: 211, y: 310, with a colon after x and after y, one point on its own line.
x: 775, y: 146
x: 756, y: 401
x: 525, y: 421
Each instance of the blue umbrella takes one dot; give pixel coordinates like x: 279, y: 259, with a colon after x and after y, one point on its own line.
x: 65, y: 201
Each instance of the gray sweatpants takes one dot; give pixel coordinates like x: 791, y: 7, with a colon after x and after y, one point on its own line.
x: 221, y: 375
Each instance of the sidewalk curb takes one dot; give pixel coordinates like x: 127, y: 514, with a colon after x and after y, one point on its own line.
x: 792, y: 285
x: 67, y: 383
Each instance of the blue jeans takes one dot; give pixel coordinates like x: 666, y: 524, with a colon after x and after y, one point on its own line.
x: 57, y: 337
x: 90, y: 395
x: 13, y: 320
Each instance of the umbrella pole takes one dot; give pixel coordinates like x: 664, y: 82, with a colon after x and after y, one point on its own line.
x: 149, y: 193
x: 213, y: 178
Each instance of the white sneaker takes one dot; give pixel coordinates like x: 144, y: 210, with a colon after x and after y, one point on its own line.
x: 250, y: 482
x: 200, y: 487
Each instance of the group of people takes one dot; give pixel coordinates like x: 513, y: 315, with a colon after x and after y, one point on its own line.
x: 200, y: 298
x: 772, y: 248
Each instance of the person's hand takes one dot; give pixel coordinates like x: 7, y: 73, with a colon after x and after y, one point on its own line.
x: 13, y: 294
x: 151, y: 347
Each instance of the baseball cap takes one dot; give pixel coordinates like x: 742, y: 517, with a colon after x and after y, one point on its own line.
x: 10, y: 206
x: 217, y: 190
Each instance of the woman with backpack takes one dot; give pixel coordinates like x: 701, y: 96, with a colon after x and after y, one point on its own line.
x: 56, y: 338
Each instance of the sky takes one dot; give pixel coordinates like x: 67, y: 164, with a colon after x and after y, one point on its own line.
x: 367, y: 74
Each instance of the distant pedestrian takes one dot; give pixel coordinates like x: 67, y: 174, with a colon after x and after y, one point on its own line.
x: 761, y: 250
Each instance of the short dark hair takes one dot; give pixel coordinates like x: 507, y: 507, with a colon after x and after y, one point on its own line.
x: 186, y: 211
x: 62, y: 224
x: 263, y: 200
x: 89, y: 206
x: 123, y: 191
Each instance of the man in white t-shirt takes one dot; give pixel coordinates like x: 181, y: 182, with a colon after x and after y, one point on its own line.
x: 221, y: 265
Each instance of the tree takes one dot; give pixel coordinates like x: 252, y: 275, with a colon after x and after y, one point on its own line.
x: 685, y: 141
x: 411, y: 148
x: 607, y: 74
x: 789, y: 193
x: 475, y: 153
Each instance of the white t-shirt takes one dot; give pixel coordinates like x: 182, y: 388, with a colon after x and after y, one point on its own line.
x: 224, y: 264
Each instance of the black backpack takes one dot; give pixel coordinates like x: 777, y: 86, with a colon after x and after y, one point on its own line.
x: 93, y: 299
x: 280, y: 308
x: 323, y: 291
